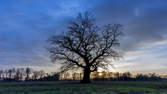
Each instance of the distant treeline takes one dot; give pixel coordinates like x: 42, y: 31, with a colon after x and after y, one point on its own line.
x: 28, y: 74
x: 127, y: 76
x: 116, y: 76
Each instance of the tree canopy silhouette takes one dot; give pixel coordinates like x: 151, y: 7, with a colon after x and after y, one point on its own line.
x: 85, y: 45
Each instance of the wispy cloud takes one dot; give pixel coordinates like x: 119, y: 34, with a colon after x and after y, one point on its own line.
x: 25, y: 26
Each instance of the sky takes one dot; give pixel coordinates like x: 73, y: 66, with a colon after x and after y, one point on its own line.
x: 25, y: 26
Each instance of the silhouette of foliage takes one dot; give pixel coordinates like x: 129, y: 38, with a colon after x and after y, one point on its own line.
x: 85, y: 45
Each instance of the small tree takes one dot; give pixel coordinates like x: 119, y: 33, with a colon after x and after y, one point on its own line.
x: 20, y: 73
x: 10, y: 73
x: 28, y: 72
x: 1, y: 73
x: 85, y: 45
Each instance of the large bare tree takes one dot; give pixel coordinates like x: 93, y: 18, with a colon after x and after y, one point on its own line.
x: 85, y: 45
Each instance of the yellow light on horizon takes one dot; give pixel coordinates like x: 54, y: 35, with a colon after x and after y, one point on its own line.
x: 100, y: 74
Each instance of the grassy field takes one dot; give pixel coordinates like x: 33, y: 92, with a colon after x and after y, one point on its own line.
x: 74, y: 88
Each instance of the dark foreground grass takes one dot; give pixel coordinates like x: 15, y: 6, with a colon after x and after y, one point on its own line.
x: 94, y: 88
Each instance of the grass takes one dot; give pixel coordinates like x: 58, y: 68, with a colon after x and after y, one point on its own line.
x: 74, y: 88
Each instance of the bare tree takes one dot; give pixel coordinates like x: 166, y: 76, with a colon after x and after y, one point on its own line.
x: 13, y: 72
x: 1, y: 73
x: 10, y: 73
x: 85, y: 45
x: 17, y: 76
x: 28, y: 72
x: 20, y: 73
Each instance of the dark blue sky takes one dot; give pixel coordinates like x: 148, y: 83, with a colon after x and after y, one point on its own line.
x: 25, y: 26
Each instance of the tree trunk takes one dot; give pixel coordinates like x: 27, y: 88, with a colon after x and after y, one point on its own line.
x: 86, y: 76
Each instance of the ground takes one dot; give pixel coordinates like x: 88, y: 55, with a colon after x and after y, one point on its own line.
x: 76, y: 88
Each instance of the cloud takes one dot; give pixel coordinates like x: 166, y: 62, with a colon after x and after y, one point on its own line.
x: 144, y: 22
x: 26, y: 24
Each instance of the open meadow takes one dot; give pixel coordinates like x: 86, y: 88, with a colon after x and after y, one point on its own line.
x: 76, y: 88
